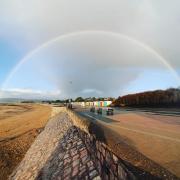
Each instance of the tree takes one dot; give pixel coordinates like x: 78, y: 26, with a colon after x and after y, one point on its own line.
x: 169, y: 97
x: 100, y: 99
x: 79, y: 99
x: 58, y: 101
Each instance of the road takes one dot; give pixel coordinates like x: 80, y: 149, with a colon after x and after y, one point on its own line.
x: 153, y: 132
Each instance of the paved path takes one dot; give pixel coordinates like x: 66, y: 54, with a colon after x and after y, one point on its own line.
x: 57, y: 153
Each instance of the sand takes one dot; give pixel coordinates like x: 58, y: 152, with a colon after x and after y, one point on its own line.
x: 19, y: 126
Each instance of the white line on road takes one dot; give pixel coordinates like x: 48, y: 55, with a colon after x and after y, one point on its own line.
x: 142, y: 132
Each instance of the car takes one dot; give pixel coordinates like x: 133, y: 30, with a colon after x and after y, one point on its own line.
x: 99, y: 110
x: 92, y: 109
x: 69, y: 106
x: 110, y: 111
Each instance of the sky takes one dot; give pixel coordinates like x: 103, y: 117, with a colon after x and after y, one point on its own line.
x: 64, y: 49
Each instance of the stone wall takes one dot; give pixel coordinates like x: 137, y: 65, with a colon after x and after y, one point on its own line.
x: 40, y: 151
x: 107, y: 163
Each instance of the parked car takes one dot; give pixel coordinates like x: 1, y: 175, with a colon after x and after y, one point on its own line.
x: 99, y: 110
x: 69, y: 106
x: 92, y: 109
x: 109, y: 111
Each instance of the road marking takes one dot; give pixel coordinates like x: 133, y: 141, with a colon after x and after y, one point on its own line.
x: 142, y: 132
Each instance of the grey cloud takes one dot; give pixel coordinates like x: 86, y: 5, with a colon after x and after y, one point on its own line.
x: 95, y: 64
x: 153, y: 22
x: 88, y: 65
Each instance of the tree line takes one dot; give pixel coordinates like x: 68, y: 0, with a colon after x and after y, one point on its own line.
x: 90, y: 99
x: 169, y: 97
x: 79, y: 99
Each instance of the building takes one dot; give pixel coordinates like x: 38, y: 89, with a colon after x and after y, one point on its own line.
x: 95, y: 103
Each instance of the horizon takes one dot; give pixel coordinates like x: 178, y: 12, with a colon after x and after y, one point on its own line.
x: 15, y: 99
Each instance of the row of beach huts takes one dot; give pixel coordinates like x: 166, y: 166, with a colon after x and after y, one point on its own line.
x: 94, y: 103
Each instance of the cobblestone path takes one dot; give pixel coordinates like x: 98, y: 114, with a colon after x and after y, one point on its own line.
x: 57, y: 153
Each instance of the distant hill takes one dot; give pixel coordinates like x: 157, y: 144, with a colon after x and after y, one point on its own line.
x: 158, y: 98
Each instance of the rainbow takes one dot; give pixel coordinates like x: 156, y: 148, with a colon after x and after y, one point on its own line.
x: 79, y: 33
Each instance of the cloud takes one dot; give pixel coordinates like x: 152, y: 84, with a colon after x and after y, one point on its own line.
x: 34, y: 22
x: 28, y: 94
x: 93, y: 91
x: 87, y: 65
x: 95, y: 64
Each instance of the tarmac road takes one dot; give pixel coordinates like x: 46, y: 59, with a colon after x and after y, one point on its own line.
x: 153, y: 132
